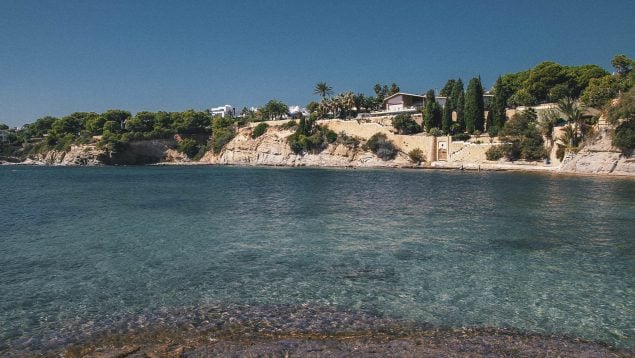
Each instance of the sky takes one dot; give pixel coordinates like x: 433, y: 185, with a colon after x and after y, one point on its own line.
x: 59, y: 57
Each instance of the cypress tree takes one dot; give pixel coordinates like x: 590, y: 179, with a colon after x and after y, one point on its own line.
x: 432, y: 112
x: 474, y: 107
x: 447, y: 118
x: 457, y: 101
x: 499, y: 103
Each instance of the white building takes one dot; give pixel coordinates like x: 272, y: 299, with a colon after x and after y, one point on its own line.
x: 296, y: 111
x: 222, y: 111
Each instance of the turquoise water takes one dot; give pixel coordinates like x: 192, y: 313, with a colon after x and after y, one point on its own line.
x: 82, y: 247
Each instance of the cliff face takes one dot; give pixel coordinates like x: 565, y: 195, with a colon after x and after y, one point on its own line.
x: 599, y: 157
x: 272, y: 149
x: 78, y: 155
x: 138, y: 152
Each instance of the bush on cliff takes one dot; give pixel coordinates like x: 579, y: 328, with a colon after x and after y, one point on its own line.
x: 404, y: 124
x: 259, y: 130
x: 222, y: 133
x: 383, y: 147
x: 188, y: 146
x: 416, y: 156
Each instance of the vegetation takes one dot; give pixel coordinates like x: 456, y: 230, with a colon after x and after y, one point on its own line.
x: 383, y: 147
x: 289, y: 125
x: 474, y: 106
x: 259, y: 130
x: 351, y: 142
x: 523, y: 138
x: 461, y: 137
x: 404, y: 124
x: 416, y: 156
x: 188, y: 146
x: 222, y: 133
x: 432, y: 112
x: 323, y: 90
x: 274, y: 109
x: 624, y: 112
x: 310, y: 137
x: 496, y: 152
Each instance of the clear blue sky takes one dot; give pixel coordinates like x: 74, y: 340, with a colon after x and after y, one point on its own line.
x: 58, y: 57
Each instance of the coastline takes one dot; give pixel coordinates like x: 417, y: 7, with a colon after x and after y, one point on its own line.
x: 436, y: 166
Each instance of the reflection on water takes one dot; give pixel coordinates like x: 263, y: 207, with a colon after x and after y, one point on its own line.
x: 86, y: 249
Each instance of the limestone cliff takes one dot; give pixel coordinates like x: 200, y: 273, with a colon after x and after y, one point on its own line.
x: 272, y: 149
x: 87, y: 154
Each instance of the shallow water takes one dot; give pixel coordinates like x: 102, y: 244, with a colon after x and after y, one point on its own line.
x: 85, y: 248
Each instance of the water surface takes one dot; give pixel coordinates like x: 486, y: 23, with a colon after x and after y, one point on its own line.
x: 81, y: 247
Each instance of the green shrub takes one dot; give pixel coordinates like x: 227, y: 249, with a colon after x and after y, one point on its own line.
x: 350, y: 142
x: 416, y: 155
x: 188, y: 146
x: 383, y: 147
x: 624, y: 137
x: 434, y: 131
x: 496, y: 152
x: 532, y: 146
x: 461, y: 137
x: 331, y: 136
x: 289, y: 125
x: 404, y: 124
x: 220, y: 137
x: 259, y: 130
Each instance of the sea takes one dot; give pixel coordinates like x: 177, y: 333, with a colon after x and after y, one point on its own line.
x: 87, y: 250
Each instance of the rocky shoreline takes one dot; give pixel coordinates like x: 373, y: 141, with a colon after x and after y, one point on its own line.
x: 295, y: 330
x: 271, y: 149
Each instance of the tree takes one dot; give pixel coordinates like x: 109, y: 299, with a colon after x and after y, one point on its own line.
x: 499, y: 106
x: 622, y: 64
x: 360, y: 102
x: 404, y: 124
x: 141, y: 122
x: 394, y: 89
x: 624, y: 112
x: 312, y: 106
x: 447, y: 89
x: 573, y: 115
x: 323, y: 90
x: 457, y: 101
x: 446, y: 121
x: 601, y: 91
x: 116, y: 115
x: 275, y: 109
x: 474, y: 107
x: 188, y: 146
x: 432, y: 112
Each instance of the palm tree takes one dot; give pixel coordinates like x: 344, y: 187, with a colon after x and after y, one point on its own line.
x: 323, y: 90
x: 573, y: 113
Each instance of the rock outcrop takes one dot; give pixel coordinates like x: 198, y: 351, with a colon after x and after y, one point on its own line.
x: 272, y: 149
x: 87, y: 154
x: 599, y: 157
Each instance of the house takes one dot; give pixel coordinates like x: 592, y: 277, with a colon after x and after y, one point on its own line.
x: 408, y: 102
x: 223, y: 111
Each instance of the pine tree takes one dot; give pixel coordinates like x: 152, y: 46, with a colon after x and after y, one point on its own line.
x: 474, y: 107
